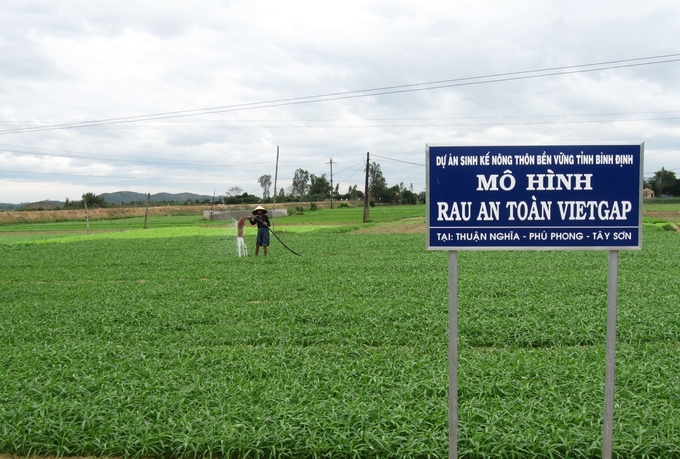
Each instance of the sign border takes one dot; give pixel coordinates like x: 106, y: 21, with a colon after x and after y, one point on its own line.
x: 637, y: 246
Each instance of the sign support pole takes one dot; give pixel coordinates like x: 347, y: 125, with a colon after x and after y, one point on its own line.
x: 453, y: 354
x: 367, y: 191
x: 612, y: 294
x: 462, y: 183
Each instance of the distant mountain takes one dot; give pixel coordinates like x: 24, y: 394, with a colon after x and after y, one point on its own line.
x: 41, y: 205
x: 180, y: 197
x: 120, y: 197
x: 8, y: 206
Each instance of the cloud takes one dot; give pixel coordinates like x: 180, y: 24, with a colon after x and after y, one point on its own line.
x: 75, y: 61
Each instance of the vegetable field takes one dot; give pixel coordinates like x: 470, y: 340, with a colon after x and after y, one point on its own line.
x: 163, y: 343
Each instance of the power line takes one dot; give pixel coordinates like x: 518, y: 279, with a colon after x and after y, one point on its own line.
x: 418, y: 164
x: 398, y: 160
x: 343, y: 124
x: 307, y: 120
x: 652, y: 173
x: 202, y: 178
x: 484, y: 79
x: 78, y: 155
x: 661, y: 152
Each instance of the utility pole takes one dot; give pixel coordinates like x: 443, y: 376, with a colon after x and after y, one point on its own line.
x: 212, y: 204
x: 146, y: 212
x: 276, y: 174
x: 331, y: 163
x: 366, y: 190
x: 87, y: 215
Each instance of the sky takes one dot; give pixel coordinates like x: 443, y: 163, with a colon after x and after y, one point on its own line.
x: 197, y: 96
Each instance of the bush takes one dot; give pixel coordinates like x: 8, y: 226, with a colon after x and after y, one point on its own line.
x: 313, y: 206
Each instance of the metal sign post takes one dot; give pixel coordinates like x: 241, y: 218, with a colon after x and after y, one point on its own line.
x: 535, y: 197
x: 453, y: 354
x: 610, y: 358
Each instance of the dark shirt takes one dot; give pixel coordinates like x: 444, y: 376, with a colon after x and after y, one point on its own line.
x: 260, y: 220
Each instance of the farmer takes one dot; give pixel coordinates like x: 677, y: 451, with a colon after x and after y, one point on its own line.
x: 260, y: 217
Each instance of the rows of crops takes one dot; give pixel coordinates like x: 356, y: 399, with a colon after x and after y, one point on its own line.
x: 174, y: 347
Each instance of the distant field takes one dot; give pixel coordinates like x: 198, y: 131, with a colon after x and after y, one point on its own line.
x: 668, y: 210
x: 163, y: 343
x: 30, y: 231
x: 25, y: 231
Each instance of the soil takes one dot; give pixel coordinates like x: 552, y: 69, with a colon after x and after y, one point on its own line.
x: 673, y: 217
x: 407, y: 225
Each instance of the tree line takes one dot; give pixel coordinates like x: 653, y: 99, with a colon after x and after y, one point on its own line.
x: 306, y: 186
x: 664, y: 183
x: 310, y: 187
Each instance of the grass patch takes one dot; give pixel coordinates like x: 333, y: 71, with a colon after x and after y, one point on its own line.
x: 162, y: 343
x: 657, y: 224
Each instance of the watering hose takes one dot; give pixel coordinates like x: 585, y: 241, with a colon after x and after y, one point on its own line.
x: 277, y: 237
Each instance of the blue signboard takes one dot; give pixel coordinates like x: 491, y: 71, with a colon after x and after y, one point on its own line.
x: 534, y: 197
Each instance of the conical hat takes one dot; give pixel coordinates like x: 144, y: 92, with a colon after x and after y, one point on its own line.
x: 259, y: 208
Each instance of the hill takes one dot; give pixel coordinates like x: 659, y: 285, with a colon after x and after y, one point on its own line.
x: 40, y: 205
